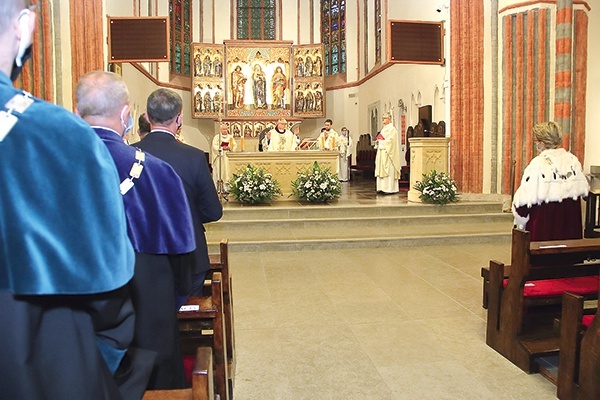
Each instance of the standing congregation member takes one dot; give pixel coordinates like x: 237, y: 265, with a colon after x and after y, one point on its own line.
x: 345, y: 149
x: 66, y: 318
x: 548, y: 202
x: 163, y: 109
x: 143, y: 126
x: 222, y: 143
x: 159, y: 231
x: 387, y: 160
x: 281, y: 139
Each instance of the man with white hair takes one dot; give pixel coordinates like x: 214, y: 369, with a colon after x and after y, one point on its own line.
x: 67, y: 318
x: 387, y: 160
x: 159, y: 225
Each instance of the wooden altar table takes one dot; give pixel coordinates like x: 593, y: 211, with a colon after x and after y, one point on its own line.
x: 283, y: 165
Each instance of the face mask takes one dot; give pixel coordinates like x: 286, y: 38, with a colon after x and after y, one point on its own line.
x: 126, y: 127
x: 16, y: 69
x: 25, y: 45
x: 539, y: 147
x: 345, y: 133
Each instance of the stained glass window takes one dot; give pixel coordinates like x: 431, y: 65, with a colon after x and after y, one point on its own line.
x: 333, y: 35
x: 180, y: 15
x: 256, y: 19
x: 377, y: 31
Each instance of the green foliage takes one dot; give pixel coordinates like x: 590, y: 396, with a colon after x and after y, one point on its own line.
x: 317, y: 185
x: 437, y: 188
x: 254, y: 186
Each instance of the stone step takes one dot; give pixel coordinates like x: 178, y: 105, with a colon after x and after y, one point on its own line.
x: 284, y: 227
x: 365, y: 242
x: 358, y: 224
x: 237, y: 212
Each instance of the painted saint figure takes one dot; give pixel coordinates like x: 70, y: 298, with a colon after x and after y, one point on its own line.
x: 259, y: 83
x: 279, y: 85
x: 238, y: 83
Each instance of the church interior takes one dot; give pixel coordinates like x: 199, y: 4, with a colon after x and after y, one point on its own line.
x: 369, y: 296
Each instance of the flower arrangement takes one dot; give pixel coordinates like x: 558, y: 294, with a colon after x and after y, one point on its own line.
x: 254, y: 185
x: 317, y: 185
x: 437, y: 188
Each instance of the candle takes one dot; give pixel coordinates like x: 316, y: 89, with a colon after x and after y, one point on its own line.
x: 242, y: 138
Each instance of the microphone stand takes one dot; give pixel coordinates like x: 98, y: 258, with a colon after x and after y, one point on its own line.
x: 221, y: 191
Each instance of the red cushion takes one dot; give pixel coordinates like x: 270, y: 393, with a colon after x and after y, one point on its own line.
x: 583, y: 285
x: 587, y: 320
x: 188, y: 365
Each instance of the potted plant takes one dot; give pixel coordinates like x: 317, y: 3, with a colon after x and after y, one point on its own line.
x: 254, y: 186
x: 316, y: 185
x: 437, y: 187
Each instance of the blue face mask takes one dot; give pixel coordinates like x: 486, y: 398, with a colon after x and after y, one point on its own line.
x: 126, y: 127
x: 539, y: 147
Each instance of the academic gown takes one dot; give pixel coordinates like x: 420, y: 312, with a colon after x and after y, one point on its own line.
x: 66, y: 319
x: 191, y: 166
x: 159, y: 225
x: 548, y: 201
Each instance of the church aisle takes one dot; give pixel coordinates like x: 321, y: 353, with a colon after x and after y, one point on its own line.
x: 391, y: 323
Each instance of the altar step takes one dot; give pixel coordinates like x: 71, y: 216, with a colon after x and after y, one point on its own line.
x: 281, y: 228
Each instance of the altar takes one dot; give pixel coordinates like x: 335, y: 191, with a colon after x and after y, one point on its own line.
x: 283, y: 165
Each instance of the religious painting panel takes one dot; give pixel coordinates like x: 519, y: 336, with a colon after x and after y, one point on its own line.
x: 258, y: 79
x: 208, y: 81
x: 309, y: 95
x: 374, y: 117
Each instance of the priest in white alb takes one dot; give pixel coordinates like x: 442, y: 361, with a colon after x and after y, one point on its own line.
x: 282, y: 139
x: 222, y: 143
x: 387, y: 160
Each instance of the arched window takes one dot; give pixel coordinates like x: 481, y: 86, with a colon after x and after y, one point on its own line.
x: 377, y: 31
x: 256, y: 19
x: 180, y: 15
x: 333, y: 35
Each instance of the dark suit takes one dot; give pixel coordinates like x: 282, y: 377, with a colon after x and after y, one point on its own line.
x: 191, y: 166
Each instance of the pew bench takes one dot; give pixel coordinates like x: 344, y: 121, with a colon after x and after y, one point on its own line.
x: 522, y: 307
x: 579, y: 360
x: 202, y: 323
x: 202, y: 381
x: 219, y: 262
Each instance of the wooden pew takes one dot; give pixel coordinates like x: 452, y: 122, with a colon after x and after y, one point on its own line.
x: 579, y: 360
x: 201, y: 322
x: 521, y: 318
x: 220, y: 263
x: 485, y: 274
x: 202, y: 381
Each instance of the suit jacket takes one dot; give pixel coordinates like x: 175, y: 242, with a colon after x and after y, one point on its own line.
x: 191, y: 166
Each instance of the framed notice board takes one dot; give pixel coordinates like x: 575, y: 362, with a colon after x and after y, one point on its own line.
x: 138, y: 39
x: 416, y: 42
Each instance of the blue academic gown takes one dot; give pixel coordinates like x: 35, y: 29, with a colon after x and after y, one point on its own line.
x: 159, y: 224
x: 65, y: 259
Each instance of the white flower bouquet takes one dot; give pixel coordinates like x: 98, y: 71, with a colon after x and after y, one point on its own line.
x: 437, y: 188
x: 317, y: 185
x: 254, y: 185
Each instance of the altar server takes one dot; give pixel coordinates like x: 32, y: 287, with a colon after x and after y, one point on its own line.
x: 344, y: 147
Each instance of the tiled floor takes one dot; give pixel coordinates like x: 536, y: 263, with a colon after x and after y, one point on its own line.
x: 387, y: 323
